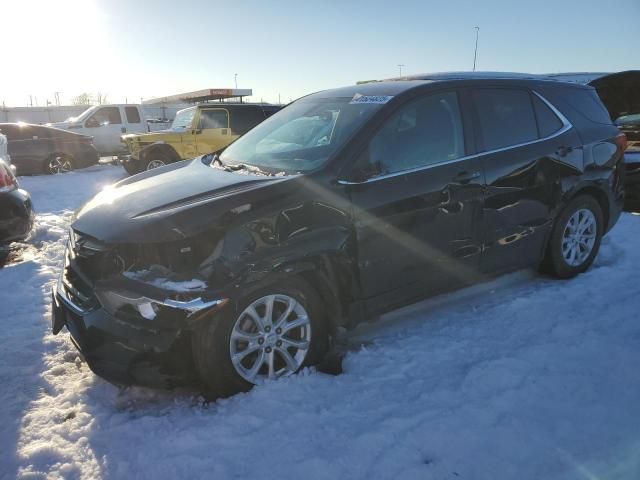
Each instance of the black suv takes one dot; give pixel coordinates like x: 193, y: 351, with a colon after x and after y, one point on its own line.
x: 239, y: 266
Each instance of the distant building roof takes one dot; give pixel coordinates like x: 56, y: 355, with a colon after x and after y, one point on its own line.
x: 201, y: 96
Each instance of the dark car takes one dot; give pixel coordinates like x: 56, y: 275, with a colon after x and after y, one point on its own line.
x: 632, y: 181
x: 16, y: 211
x: 38, y: 149
x: 233, y: 268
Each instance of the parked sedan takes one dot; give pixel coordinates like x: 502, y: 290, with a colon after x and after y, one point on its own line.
x: 16, y: 212
x: 240, y: 267
x: 38, y: 149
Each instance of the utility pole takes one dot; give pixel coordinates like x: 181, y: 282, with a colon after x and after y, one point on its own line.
x: 475, y: 54
x: 400, y: 65
x: 279, y: 102
x: 235, y: 78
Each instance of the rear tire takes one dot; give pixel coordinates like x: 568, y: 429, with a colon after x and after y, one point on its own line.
x: 216, y: 340
x: 575, y: 238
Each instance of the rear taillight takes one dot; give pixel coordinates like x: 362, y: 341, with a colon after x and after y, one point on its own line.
x: 7, y: 179
x: 621, y: 142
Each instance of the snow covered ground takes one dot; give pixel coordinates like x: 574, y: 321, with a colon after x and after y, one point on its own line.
x: 522, y: 378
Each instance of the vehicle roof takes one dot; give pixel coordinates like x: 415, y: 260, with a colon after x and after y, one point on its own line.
x: 234, y: 104
x: 396, y: 86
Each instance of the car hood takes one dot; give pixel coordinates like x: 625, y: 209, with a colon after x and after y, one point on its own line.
x: 172, y: 203
x: 160, y: 135
x: 620, y: 92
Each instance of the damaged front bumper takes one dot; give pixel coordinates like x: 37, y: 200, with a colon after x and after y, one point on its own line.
x: 126, y: 338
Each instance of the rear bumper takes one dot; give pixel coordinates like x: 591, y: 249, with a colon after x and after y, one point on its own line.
x: 122, y: 353
x: 16, y: 215
x: 86, y: 156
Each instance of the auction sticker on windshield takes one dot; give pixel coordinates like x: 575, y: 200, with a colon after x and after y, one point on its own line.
x: 357, y: 98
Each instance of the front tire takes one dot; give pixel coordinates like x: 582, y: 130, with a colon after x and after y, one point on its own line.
x: 155, y: 159
x: 575, y: 238
x: 271, y: 333
x: 132, y: 167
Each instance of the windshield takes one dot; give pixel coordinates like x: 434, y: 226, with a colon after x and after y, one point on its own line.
x: 183, y: 119
x: 301, y: 137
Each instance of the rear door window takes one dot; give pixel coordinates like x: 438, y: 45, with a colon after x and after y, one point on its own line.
x: 506, y: 117
x: 548, y: 122
x: 133, y: 116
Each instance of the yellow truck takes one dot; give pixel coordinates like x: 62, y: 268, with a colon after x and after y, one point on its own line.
x: 196, y: 130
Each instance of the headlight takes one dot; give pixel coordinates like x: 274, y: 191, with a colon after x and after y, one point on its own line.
x: 117, y: 303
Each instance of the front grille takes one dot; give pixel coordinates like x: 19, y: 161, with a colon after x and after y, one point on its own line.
x: 76, y: 287
x: 83, y: 260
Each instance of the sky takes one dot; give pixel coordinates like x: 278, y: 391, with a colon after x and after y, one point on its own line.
x: 284, y: 49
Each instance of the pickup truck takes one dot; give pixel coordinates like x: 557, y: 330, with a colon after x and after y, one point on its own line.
x: 196, y: 130
x: 107, y: 123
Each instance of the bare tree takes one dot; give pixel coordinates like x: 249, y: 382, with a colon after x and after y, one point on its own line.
x: 82, y: 99
x: 101, y: 98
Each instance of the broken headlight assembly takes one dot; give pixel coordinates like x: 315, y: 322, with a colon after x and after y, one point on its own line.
x: 129, y: 305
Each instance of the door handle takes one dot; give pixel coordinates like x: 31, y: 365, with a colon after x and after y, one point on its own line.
x: 466, y: 177
x: 563, y: 151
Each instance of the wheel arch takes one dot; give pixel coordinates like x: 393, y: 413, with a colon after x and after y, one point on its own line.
x: 159, y: 147
x: 329, y: 274
x: 601, y: 197
x: 331, y: 278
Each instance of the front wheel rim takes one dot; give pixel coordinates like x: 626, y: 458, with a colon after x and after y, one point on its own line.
x: 579, y: 237
x: 59, y: 165
x: 155, y: 164
x: 270, y: 338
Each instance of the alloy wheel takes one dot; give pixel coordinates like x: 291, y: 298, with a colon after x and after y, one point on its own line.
x: 270, y: 338
x: 60, y: 164
x: 579, y: 237
x: 155, y: 164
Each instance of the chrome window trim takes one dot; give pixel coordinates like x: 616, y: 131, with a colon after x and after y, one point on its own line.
x: 566, y: 126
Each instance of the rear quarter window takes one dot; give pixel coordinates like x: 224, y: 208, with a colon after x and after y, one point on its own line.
x: 587, y: 103
x: 548, y: 122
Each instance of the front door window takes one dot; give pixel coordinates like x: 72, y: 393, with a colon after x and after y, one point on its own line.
x: 424, y: 132
x: 104, y: 116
